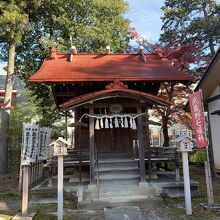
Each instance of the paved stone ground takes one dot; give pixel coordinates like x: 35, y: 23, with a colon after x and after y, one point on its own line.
x: 86, y: 214
x: 123, y: 213
x: 158, y: 214
x: 126, y: 213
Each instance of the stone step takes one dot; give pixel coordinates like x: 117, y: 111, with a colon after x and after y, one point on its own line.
x: 116, y: 160
x: 118, y: 176
x: 174, y: 189
x: 110, y: 187
x: 118, y: 164
x: 117, y: 182
x: 113, y: 192
x: 114, y: 155
x: 42, y: 201
x: 52, y: 199
x: 127, y: 188
x: 52, y: 190
x: 138, y: 200
x: 116, y: 168
x: 117, y: 173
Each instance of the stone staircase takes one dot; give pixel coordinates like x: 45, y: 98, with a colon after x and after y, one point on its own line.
x: 117, y: 171
x: 117, y: 185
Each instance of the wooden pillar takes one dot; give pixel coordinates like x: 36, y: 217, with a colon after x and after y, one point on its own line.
x: 148, y: 144
x: 25, y: 191
x: 66, y: 126
x: 141, y: 145
x: 60, y: 188
x: 80, y: 157
x: 91, y: 146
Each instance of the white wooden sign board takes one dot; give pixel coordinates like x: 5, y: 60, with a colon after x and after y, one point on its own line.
x: 44, y: 142
x: 30, y: 142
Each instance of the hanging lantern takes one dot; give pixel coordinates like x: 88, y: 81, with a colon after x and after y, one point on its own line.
x: 126, y: 123
x: 97, y: 127
x: 116, y: 123
x: 134, y: 126
x: 110, y: 124
x: 106, y: 123
x: 101, y: 123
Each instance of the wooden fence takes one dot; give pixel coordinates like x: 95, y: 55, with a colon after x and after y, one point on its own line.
x: 36, y: 174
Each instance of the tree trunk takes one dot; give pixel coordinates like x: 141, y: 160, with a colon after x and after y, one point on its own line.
x: 210, y: 41
x: 211, y: 47
x: 165, y: 117
x: 165, y: 131
x: 6, y: 110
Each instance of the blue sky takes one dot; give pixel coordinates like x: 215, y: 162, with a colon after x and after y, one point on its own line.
x: 145, y: 17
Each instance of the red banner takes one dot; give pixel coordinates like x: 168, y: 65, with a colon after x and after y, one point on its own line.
x: 196, y: 107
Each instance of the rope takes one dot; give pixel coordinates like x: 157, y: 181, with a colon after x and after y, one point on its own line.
x: 112, y: 116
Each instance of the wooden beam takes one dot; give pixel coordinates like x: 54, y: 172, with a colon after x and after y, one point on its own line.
x: 62, y: 94
x: 92, y: 146
x: 107, y: 105
x: 141, y: 146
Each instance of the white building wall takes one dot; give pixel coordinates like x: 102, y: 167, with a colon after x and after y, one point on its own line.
x: 216, y: 92
x: 215, y: 128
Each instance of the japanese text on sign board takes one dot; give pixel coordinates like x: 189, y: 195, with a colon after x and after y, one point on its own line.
x: 30, y: 141
x: 44, y: 142
x: 197, y: 118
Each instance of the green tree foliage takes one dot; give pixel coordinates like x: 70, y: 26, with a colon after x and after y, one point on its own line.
x: 33, y: 27
x: 92, y: 25
x: 190, y: 28
x: 175, y: 93
x: 199, y: 157
x: 192, y: 22
x: 13, y: 20
x: 24, y: 112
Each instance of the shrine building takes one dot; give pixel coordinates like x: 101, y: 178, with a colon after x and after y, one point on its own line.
x: 108, y: 97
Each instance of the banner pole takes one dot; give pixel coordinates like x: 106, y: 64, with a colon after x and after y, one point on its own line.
x: 208, y: 173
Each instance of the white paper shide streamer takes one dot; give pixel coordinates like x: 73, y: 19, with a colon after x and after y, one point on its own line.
x: 117, y: 121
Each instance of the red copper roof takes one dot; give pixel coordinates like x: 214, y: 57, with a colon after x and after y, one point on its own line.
x: 107, y: 67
